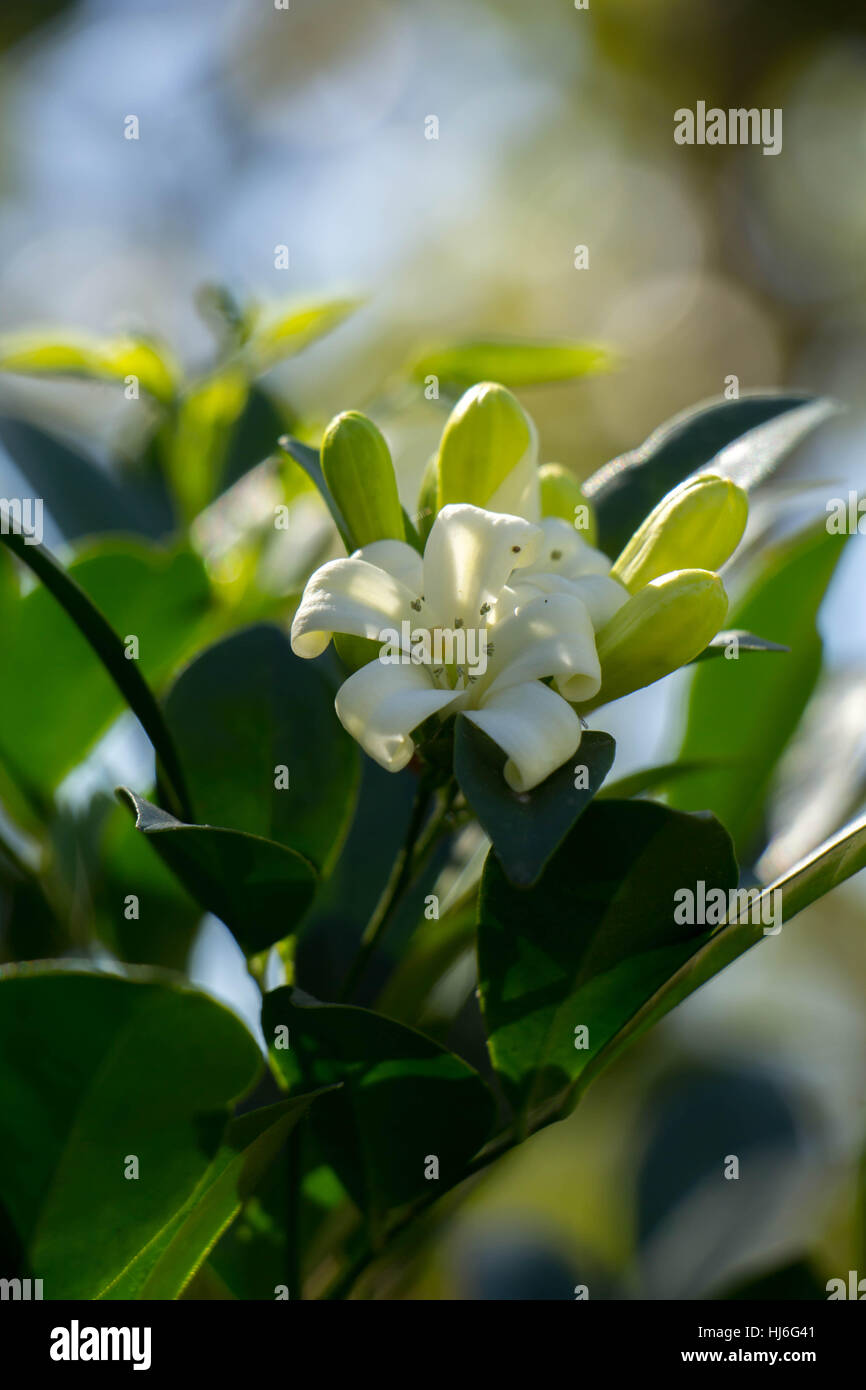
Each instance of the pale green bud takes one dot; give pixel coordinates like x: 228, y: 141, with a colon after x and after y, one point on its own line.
x: 664, y: 626
x: 561, y: 496
x: 488, y: 453
x: 359, y: 472
x: 700, y: 523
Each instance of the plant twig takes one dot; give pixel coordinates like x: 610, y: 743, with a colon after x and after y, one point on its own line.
x: 415, y: 848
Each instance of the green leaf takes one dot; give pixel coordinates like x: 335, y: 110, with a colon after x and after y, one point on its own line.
x: 831, y: 864
x: 96, y: 1069
x: 277, y: 331
x: 207, y: 418
x: 242, y: 710
x: 745, y: 642
x: 784, y: 599
x: 625, y: 490
x: 118, y: 861
x: 260, y: 889
x: 309, y: 460
x: 67, y: 680
x: 163, y: 1269
x: 527, y: 827
x: 254, y: 437
x: 519, y: 362
x: 589, y: 943
x: 403, y: 1098
x: 64, y: 353
x: 82, y: 497
x: 649, y: 779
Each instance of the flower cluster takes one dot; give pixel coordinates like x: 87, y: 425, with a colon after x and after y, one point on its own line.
x: 515, y: 620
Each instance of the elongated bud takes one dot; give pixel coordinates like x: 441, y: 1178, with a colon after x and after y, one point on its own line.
x: 561, y: 496
x: 488, y: 454
x: 668, y: 623
x: 358, y: 470
x: 700, y: 523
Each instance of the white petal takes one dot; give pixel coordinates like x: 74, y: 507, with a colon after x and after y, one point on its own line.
x: 602, y: 594
x: 469, y: 555
x: 381, y: 704
x: 534, y: 726
x: 351, y: 596
x: 565, y: 551
x: 552, y: 635
x: 398, y: 559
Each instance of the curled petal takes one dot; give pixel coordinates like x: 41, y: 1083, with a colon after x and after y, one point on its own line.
x: 535, y: 728
x: 564, y: 551
x: 351, y: 596
x: 381, y: 704
x: 551, y: 635
x: 469, y: 555
x: 398, y: 559
x: 602, y: 595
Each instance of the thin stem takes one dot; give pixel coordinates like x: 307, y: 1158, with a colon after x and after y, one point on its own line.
x: 401, y: 876
x: 294, y: 1173
x: 496, y: 1148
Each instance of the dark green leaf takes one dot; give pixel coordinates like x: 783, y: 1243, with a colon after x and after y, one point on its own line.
x: 590, y: 942
x: 58, y: 697
x: 745, y: 642
x: 246, y: 707
x: 309, y: 460
x: 526, y: 827
x: 260, y: 889
x: 404, y: 1099
x: 749, y: 712
x: 625, y: 490
x: 649, y: 779
x: 254, y: 437
x: 831, y: 864
x: 95, y: 1070
x: 165, y: 1266
x: 82, y: 498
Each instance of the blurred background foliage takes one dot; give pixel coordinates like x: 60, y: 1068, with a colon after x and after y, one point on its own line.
x: 305, y: 128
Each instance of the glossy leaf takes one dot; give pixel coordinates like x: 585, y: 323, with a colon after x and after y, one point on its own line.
x: 783, y: 601
x: 589, y: 943
x: 513, y: 363
x: 403, y: 1100
x: 735, y: 639
x: 96, y: 1070
x: 260, y: 889
x: 66, y: 665
x: 625, y: 490
x: 832, y: 863
x: 650, y: 779
x: 163, y: 1269
x: 527, y: 827
x: 310, y: 462
x: 248, y: 716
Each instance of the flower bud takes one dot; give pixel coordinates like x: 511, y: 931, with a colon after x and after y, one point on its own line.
x: 561, y: 496
x: 700, y: 523
x: 664, y: 626
x: 488, y: 454
x: 359, y: 472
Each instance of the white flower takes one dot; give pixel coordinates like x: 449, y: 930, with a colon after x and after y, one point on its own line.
x: 482, y: 570
x: 567, y: 564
